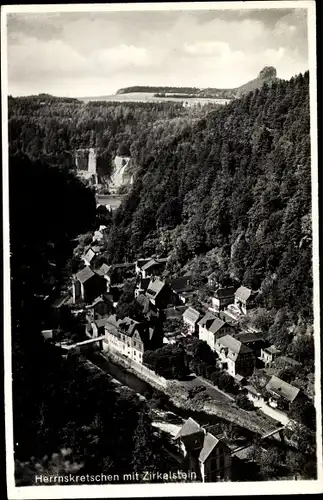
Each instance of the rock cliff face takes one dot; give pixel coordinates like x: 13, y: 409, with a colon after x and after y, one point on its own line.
x: 266, y: 75
x: 121, y: 177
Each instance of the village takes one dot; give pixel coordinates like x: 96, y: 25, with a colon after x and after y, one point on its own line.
x: 239, y: 372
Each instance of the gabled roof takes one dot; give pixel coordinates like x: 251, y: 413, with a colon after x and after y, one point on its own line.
x: 142, y: 262
x: 85, y: 274
x: 154, y: 288
x: 210, y: 442
x: 216, y: 325
x: 283, y: 389
x: 243, y: 293
x: 221, y: 293
x: 127, y: 326
x: 101, y: 322
x: 90, y: 254
x: 190, y: 427
x: 105, y: 297
x: 149, y: 264
x: 62, y: 300
x: 233, y: 344
x: 103, y: 269
x: 208, y: 316
x: 191, y: 314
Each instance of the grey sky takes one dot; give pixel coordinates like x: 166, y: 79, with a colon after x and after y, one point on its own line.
x: 88, y: 54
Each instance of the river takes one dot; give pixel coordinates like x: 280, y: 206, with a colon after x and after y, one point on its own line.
x: 140, y: 386
x: 114, y: 200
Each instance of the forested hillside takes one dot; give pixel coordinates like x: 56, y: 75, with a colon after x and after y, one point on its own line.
x: 231, y: 194
x: 58, y: 408
x: 54, y: 127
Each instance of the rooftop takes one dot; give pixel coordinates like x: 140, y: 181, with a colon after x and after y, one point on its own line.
x: 191, y: 314
x: 272, y: 350
x: 190, y: 427
x: 85, y: 274
x: 154, y: 288
x: 283, y: 389
x: 243, y: 293
x: 209, y: 444
x: 221, y: 293
x: 233, y: 344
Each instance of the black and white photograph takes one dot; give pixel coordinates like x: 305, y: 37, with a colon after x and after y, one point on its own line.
x: 161, y: 265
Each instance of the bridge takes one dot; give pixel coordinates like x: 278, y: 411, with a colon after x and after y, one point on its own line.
x: 80, y: 344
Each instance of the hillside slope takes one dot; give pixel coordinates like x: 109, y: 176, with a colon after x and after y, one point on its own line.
x: 232, y: 195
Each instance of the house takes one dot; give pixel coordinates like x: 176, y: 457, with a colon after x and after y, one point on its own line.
x: 99, y: 234
x: 244, y: 298
x: 222, y: 298
x: 203, y: 453
x: 140, y: 263
x: 235, y: 357
x: 190, y: 318
x: 212, y: 280
x: 281, y: 393
x: 96, y: 328
x: 158, y: 293
x: 252, y: 340
x: 253, y: 394
x: 117, y: 273
x: 50, y: 334
x: 87, y: 286
x: 128, y: 337
x: 141, y: 286
x: 269, y: 354
x: 91, y: 254
x: 101, y: 306
x: 182, y: 289
x: 154, y: 267
x: 211, y: 327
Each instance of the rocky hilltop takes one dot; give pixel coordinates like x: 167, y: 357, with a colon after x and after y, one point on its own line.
x: 266, y: 75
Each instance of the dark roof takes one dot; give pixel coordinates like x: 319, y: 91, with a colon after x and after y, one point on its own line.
x: 246, y: 337
x: 210, y: 442
x: 62, y: 300
x: 85, y: 274
x: 191, y: 314
x: 190, y: 427
x: 143, y: 284
x: 282, y: 388
x: 183, y: 284
x: 221, y: 293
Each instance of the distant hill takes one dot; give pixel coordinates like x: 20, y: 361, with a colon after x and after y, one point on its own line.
x: 267, y: 75
x: 154, y: 90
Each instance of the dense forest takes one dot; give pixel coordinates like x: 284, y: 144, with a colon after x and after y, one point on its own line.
x: 221, y: 190
x: 231, y: 195
x: 64, y: 419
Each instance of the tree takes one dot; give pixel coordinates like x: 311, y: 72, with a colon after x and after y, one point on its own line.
x: 244, y: 403
x: 144, y: 452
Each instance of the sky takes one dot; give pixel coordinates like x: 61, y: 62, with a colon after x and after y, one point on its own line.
x: 95, y: 53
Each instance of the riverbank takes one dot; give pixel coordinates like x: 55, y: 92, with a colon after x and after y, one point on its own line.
x: 213, y: 408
